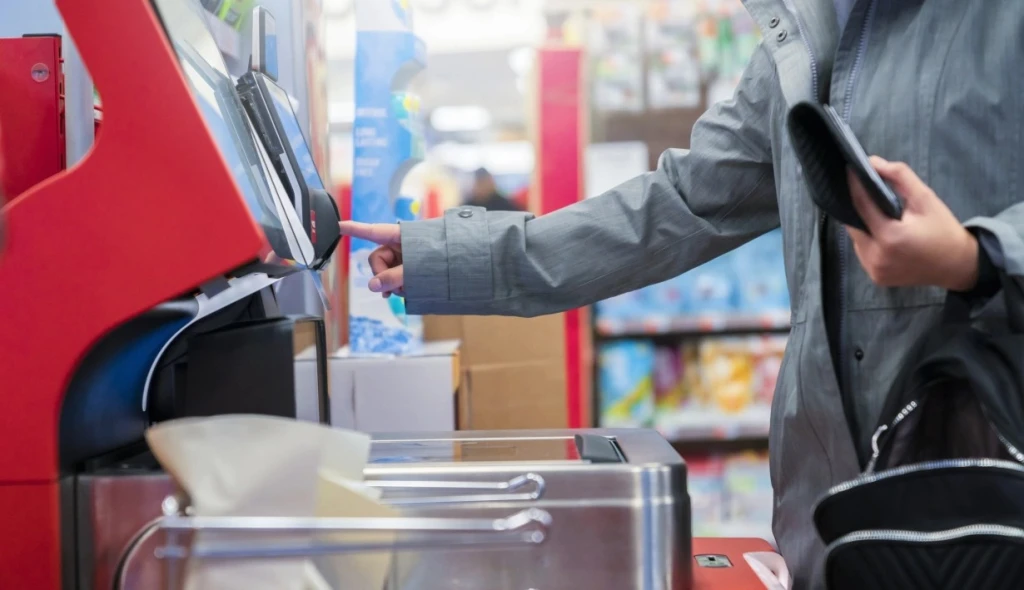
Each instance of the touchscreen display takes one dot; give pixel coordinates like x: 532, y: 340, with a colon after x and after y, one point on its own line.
x: 214, y: 91
x: 294, y: 137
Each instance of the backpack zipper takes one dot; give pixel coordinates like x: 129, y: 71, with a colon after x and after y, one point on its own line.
x: 933, y: 537
x: 930, y: 465
x: 906, y: 411
x: 1009, y: 447
x: 875, y: 448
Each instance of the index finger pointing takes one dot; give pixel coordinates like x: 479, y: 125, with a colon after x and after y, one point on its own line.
x: 379, y: 233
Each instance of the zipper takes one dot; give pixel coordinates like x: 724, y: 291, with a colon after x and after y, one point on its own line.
x: 1009, y: 447
x: 843, y: 245
x: 815, y: 92
x: 905, y: 412
x: 875, y: 448
x: 928, y: 466
x: 862, y: 47
x: 934, y: 537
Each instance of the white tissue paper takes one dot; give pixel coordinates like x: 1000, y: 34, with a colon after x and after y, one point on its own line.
x: 341, y: 497
x: 770, y: 569
x: 342, y: 493
x: 264, y: 466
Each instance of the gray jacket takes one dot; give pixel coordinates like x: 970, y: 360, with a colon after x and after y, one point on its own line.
x: 933, y: 83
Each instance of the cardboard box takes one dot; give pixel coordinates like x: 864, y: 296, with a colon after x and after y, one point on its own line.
x: 513, y: 396
x: 492, y: 340
x: 395, y: 394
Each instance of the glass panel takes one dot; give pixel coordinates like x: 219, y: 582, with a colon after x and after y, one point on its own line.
x: 294, y: 137
x: 475, y: 451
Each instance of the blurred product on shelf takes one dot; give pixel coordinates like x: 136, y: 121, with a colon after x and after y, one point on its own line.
x: 670, y: 379
x: 719, y: 388
x: 745, y: 289
x: 730, y: 495
x: 711, y: 288
x: 615, y: 49
x: 727, y: 374
x: 707, y: 491
x: 674, y: 73
x: 625, y: 383
x: 676, y: 54
x: 760, y: 274
x: 748, y: 488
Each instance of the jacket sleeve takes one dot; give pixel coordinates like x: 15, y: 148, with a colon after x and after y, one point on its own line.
x: 1002, y: 239
x: 698, y: 204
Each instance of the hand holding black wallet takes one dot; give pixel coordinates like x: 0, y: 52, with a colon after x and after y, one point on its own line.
x: 826, y: 147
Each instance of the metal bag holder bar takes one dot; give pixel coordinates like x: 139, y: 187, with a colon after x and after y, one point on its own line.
x: 505, y: 491
x: 527, y: 527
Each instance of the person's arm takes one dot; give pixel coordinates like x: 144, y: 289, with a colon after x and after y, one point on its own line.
x: 698, y: 204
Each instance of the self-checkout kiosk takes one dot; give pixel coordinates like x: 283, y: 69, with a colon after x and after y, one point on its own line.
x: 150, y: 296
x: 153, y: 296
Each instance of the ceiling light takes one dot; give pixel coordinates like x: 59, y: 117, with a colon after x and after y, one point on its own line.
x: 521, y: 60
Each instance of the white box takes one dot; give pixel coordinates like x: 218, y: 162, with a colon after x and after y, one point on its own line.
x: 409, y: 393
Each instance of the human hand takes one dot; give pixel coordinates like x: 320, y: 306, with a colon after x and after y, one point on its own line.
x: 386, y: 260
x: 928, y: 246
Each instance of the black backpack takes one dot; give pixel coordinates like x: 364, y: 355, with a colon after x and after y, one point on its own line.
x: 941, y: 502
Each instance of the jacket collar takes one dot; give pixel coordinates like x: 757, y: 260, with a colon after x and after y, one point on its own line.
x: 800, y: 34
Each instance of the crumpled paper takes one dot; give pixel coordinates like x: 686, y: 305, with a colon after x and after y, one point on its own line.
x: 241, y: 465
x: 770, y: 569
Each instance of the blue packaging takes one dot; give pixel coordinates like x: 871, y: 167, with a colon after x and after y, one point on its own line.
x: 625, y: 307
x: 626, y: 383
x: 712, y: 288
x: 387, y: 143
x: 666, y: 299
x: 763, y: 287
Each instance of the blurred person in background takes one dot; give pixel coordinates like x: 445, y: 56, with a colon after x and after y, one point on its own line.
x: 485, y: 193
x: 924, y: 83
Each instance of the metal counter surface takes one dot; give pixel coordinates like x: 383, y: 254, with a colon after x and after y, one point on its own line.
x: 617, y: 525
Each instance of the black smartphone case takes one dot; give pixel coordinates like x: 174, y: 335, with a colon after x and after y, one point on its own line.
x: 825, y: 150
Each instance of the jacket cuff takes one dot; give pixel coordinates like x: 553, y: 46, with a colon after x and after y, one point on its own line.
x: 425, y: 260
x: 1001, y: 241
x: 470, y: 272
x: 989, y: 274
x: 447, y: 259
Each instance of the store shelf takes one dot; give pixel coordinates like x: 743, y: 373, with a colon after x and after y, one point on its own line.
x: 705, y: 324
x: 699, y: 426
x: 693, y: 447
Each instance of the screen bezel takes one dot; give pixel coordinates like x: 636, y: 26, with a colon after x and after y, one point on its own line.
x: 265, y: 55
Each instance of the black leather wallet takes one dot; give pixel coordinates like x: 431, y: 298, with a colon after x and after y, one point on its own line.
x: 826, y: 146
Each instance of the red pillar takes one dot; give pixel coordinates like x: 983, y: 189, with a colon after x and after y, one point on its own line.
x: 561, y: 95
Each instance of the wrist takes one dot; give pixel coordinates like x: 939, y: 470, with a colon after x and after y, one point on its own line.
x: 965, y: 267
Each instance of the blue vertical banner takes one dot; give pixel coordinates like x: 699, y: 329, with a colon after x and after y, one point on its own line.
x: 388, y: 142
